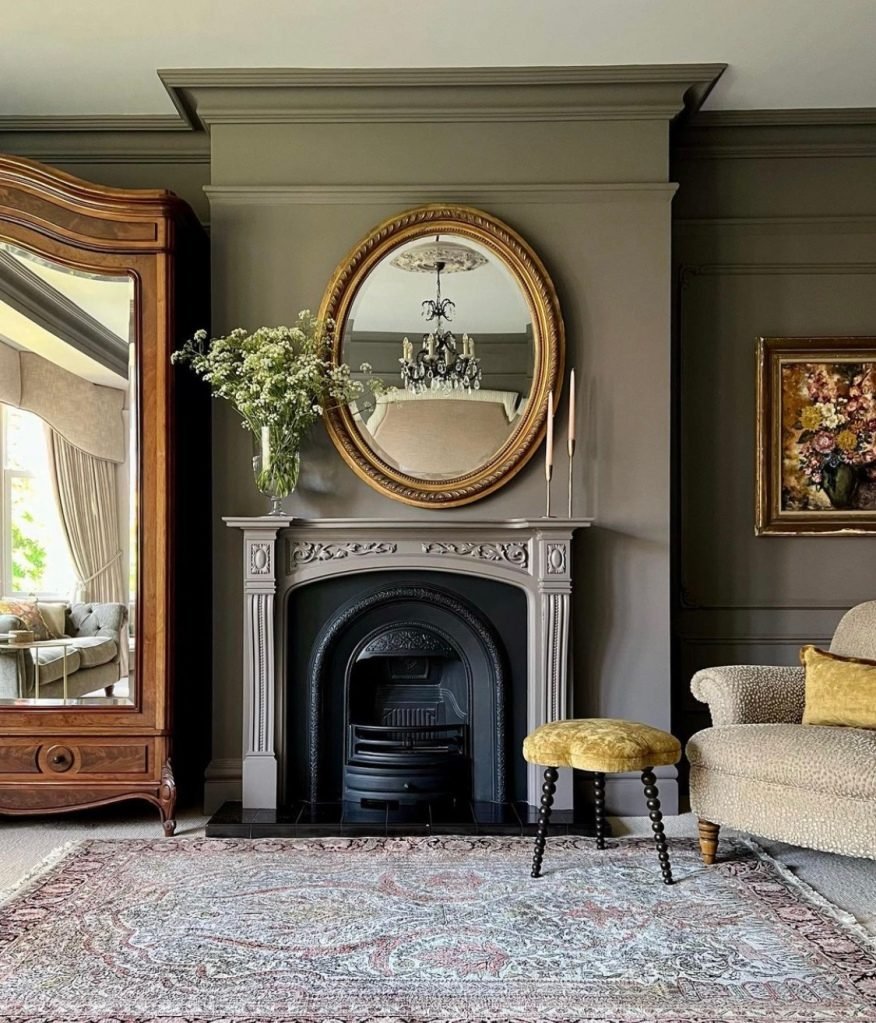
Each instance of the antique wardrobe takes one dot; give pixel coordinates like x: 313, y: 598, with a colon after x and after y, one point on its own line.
x: 105, y: 688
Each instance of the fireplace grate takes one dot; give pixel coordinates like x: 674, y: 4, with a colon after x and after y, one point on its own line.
x: 394, y: 764
x: 404, y: 743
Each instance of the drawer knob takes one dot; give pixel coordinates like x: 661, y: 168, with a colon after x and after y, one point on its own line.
x: 59, y: 759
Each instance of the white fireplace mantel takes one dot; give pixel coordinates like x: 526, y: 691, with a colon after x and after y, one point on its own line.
x: 280, y: 554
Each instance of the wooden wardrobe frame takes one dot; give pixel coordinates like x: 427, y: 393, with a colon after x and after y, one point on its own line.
x: 55, y: 759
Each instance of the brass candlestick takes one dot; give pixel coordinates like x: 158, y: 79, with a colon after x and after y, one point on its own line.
x: 549, y: 471
x: 571, y: 459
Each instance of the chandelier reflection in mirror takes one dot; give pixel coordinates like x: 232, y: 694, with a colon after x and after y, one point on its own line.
x: 439, y: 365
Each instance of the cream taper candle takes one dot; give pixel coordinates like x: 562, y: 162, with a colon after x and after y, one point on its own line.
x: 571, y: 413
x: 549, y: 449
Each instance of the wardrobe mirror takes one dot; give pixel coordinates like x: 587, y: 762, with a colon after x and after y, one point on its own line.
x: 68, y: 439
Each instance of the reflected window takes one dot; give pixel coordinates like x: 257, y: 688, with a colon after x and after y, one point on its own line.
x: 34, y: 557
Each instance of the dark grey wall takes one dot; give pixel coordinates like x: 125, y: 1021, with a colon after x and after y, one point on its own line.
x: 592, y: 197
x: 774, y: 234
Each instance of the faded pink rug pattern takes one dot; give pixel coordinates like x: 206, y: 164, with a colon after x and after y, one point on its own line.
x: 426, y: 930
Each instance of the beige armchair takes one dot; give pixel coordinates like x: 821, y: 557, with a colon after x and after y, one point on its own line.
x: 759, y: 769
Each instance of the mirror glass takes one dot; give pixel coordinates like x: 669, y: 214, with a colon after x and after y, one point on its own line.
x: 68, y: 453
x: 445, y: 327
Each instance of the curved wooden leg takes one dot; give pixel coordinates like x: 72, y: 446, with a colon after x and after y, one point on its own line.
x: 167, y: 799
x: 599, y: 808
x: 544, y: 815
x: 708, y: 840
x: 653, y: 800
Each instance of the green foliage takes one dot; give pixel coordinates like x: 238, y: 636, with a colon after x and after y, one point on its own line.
x: 28, y: 557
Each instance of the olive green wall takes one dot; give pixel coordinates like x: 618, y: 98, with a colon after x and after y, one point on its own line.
x: 590, y: 192
x: 775, y: 234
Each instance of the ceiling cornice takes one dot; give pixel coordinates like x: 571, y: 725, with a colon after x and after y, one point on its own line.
x: 825, y: 133
x: 208, y: 96
x: 818, y: 116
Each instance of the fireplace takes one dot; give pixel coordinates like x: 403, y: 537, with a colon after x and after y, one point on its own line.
x: 310, y: 730
x: 404, y: 684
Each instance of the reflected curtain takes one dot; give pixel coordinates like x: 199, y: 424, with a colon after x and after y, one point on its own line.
x: 87, y: 499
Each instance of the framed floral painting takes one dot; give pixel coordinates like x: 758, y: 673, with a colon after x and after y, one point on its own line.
x: 816, y: 435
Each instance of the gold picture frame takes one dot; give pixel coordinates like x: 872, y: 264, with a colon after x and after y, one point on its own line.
x: 548, y: 342
x: 816, y: 436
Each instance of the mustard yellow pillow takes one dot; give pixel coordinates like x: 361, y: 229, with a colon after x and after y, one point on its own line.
x: 839, y: 690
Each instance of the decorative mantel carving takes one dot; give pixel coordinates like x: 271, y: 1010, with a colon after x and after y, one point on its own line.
x: 514, y: 553
x: 533, y: 554
x: 302, y: 553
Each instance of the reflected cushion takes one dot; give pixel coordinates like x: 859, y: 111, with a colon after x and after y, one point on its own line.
x: 54, y: 615
x: 94, y: 650
x: 601, y: 745
x: 51, y: 662
x: 839, y: 690
x: 28, y: 613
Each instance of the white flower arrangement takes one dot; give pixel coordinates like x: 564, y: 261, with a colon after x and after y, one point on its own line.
x: 281, y: 380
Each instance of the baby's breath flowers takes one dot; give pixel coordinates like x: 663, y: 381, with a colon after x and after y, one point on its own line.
x: 280, y: 380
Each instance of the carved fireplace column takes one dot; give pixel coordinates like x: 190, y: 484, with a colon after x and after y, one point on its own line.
x: 259, y: 588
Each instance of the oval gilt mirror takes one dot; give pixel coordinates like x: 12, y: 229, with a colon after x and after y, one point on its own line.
x: 453, y: 321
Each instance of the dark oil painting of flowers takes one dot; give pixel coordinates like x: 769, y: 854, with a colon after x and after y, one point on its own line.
x: 828, y: 425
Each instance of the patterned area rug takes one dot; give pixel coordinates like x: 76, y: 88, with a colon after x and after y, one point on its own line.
x: 424, y: 929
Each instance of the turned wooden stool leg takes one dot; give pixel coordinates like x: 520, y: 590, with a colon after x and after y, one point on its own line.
x: 708, y: 840
x: 544, y: 815
x: 653, y: 801
x: 599, y: 808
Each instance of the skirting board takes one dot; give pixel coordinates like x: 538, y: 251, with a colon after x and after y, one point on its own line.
x: 623, y: 792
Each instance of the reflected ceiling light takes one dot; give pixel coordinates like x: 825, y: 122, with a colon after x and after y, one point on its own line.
x: 439, y: 365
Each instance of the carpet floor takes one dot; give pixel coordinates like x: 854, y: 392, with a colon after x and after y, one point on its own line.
x: 425, y: 930
x: 846, y: 881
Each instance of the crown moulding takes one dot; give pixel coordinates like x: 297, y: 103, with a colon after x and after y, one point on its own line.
x: 211, y: 96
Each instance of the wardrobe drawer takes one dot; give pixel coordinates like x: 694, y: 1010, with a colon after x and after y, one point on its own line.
x: 65, y: 757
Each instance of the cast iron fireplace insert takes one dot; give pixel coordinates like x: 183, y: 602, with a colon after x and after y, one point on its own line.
x: 408, y: 720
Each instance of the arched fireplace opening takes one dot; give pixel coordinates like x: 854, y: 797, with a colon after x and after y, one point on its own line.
x: 408, y: 713
x: 407, y: 701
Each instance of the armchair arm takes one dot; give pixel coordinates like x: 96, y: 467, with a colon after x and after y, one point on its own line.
x: 748, y: 694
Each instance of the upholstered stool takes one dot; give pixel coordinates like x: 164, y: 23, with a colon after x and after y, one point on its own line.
x: 599, y: 746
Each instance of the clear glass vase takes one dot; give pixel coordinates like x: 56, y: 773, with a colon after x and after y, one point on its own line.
x: 275, y: 465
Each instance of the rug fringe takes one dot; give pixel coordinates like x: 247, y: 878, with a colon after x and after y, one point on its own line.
x: 824, y: 905
x: 38, y: 871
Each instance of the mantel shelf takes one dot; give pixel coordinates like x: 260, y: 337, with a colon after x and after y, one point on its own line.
x: 445, y: 524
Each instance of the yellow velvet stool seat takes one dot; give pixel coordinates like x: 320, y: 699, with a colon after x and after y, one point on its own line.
x: 601, y: 746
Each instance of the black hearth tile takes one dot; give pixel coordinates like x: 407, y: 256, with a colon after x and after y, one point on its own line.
x: 455, y: 818
x: 409, y: 820
x: 259, y: 816
x: 320, y: 814
x: 228, y: 813
x: 274, y: 829
x: 497, y: 819
x: 361, y: 830
x: 228, y: 830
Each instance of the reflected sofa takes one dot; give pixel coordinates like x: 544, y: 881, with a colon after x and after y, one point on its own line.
x: 760, y: 770
x: 93, y: 659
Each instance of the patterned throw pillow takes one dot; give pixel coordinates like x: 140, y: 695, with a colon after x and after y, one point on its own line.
x: 29, y: 615
x: 839, y: 690
x: 54, y: 615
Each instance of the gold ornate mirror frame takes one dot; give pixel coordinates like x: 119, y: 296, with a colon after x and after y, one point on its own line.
x: 548, y: 343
